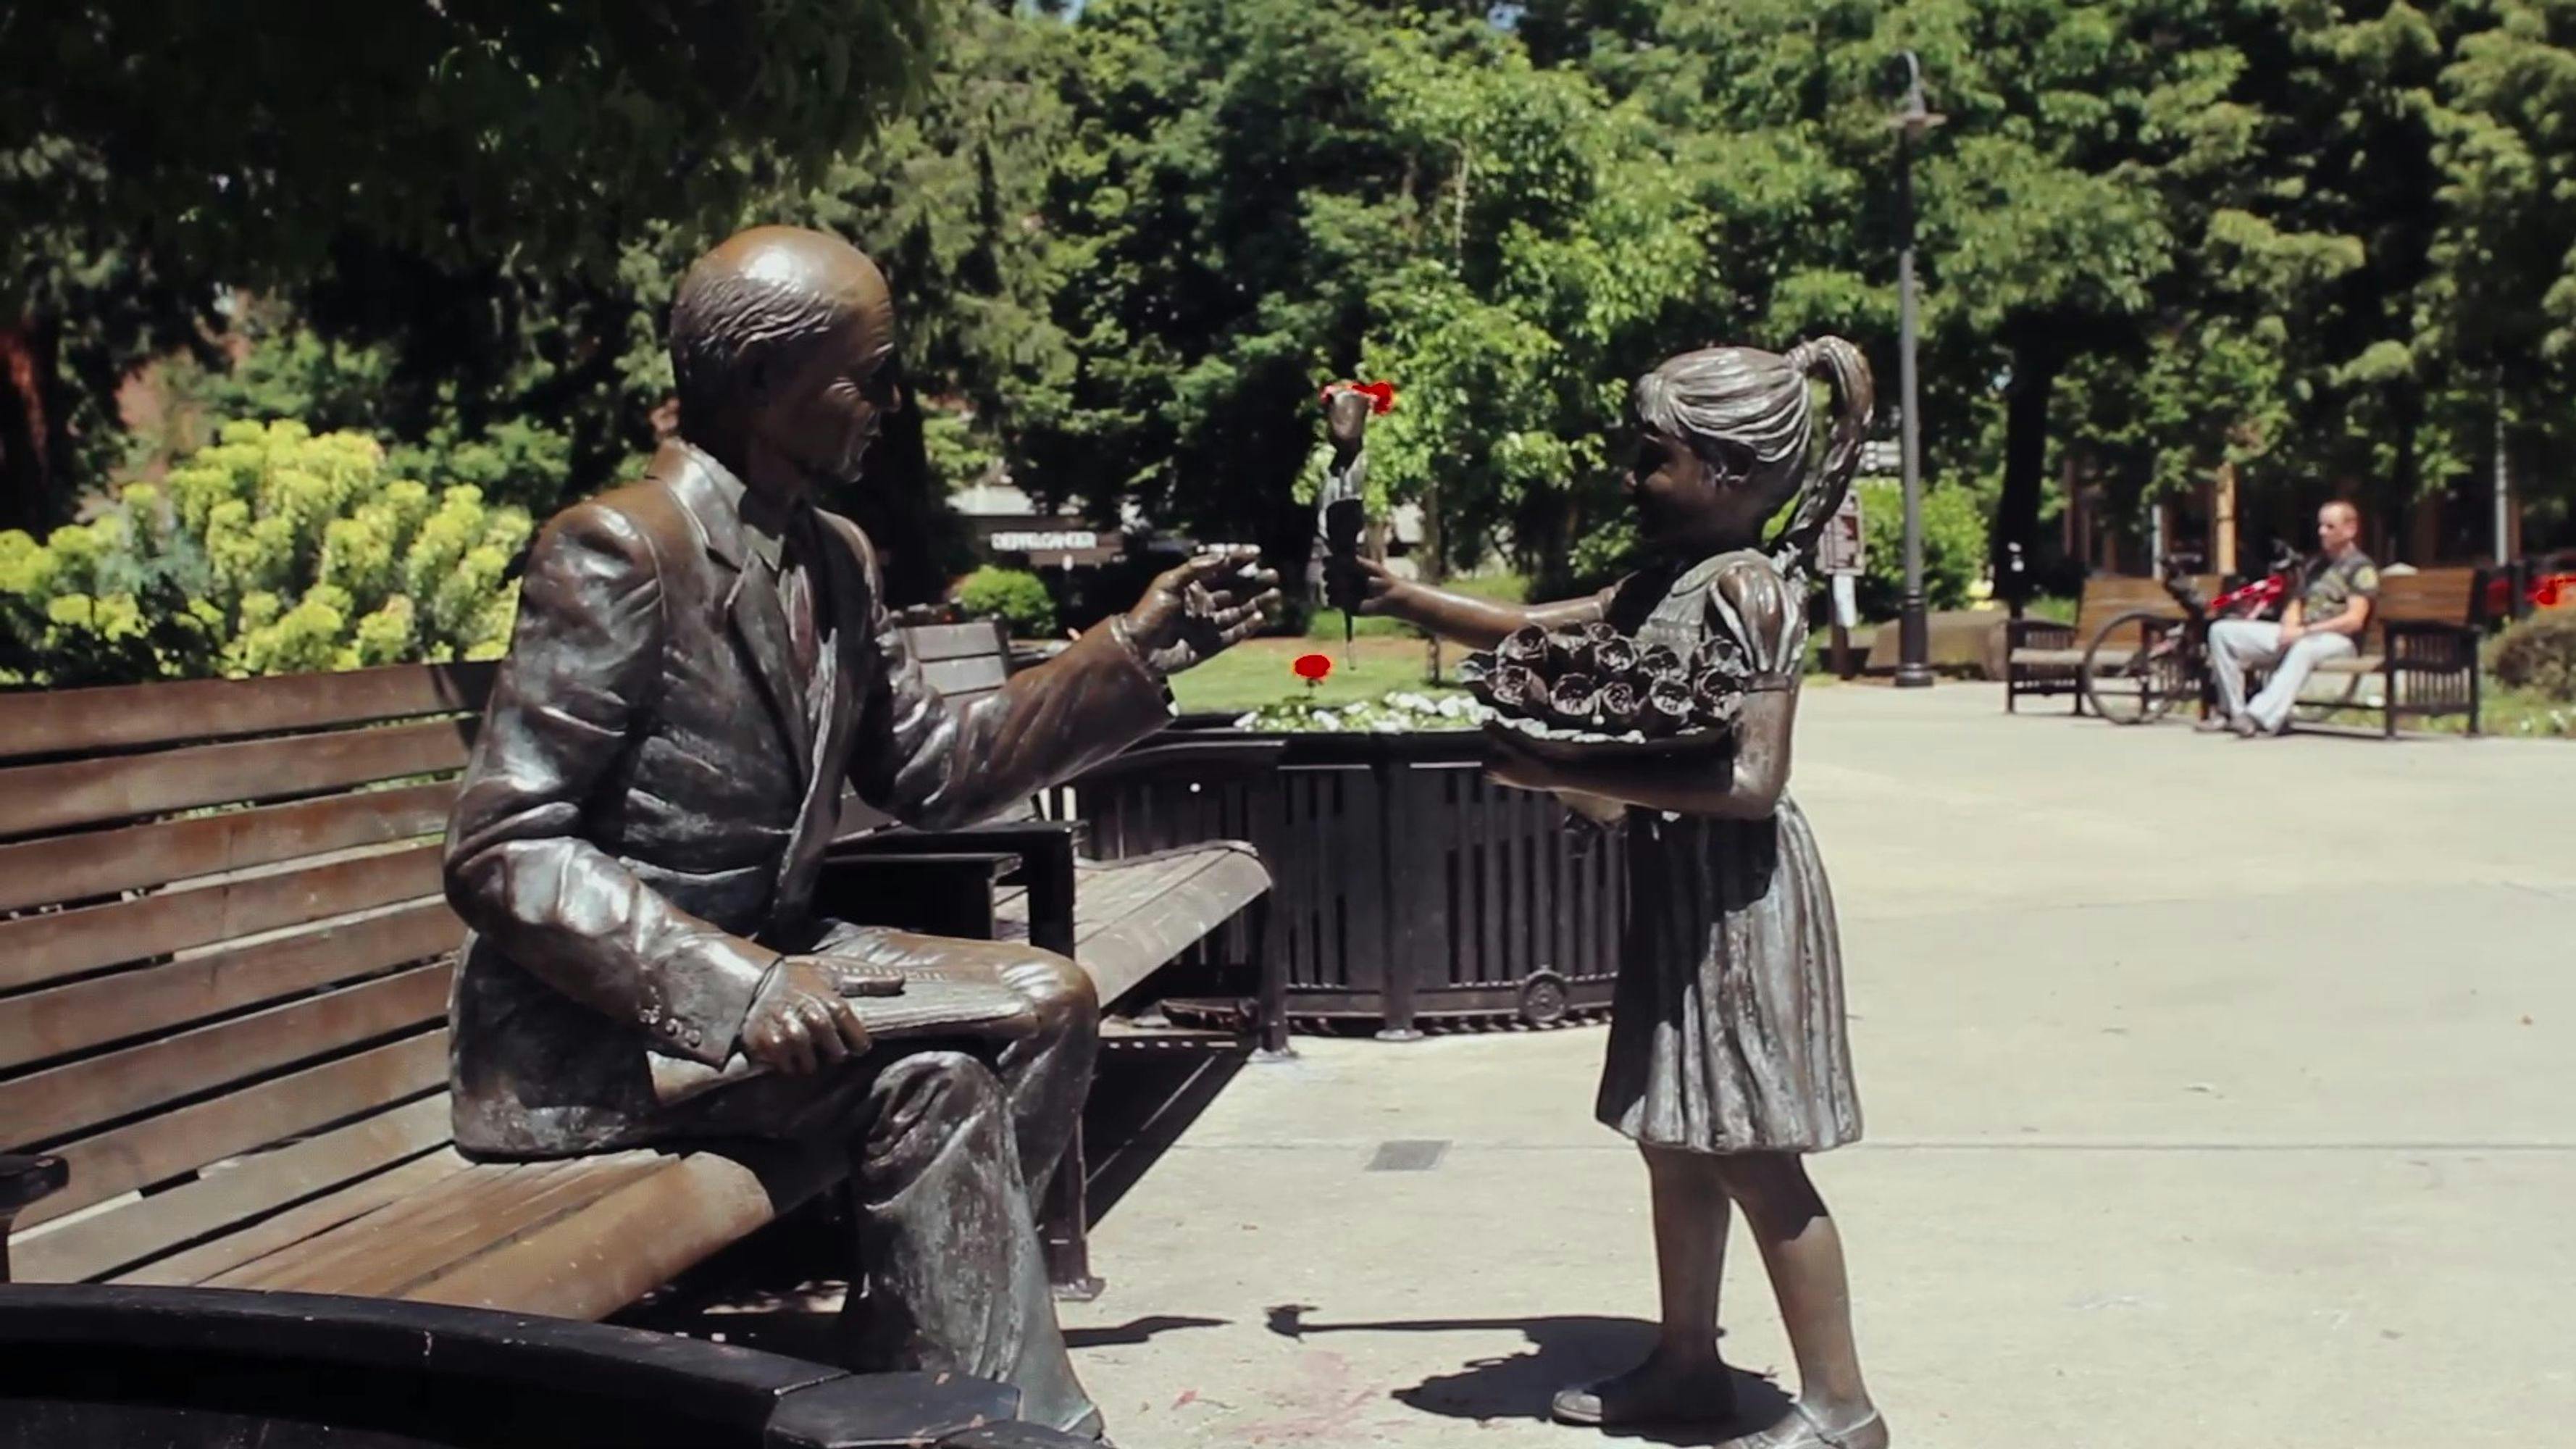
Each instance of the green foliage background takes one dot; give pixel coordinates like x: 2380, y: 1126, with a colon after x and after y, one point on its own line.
x: 2328, y: 243
x: 273, y: 551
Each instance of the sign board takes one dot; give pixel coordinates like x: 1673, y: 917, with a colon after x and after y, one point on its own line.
x: 1839, y: 550
x: 1881, y: 458
x: 1050, y: 543
x: 1044, y: 540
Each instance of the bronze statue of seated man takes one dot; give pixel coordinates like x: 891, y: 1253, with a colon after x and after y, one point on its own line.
x: 701, y: 659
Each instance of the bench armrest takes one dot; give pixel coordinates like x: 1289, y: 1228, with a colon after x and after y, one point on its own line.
x: 1045, y: 850
x: 23, y: 1180
x: 929, y: 892
x: 2038, y: 634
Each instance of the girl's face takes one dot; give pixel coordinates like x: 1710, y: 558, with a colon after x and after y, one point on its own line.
x: 1684, y: 502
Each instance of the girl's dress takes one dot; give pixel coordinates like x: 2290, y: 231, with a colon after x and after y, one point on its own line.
x: 1726, y: 1032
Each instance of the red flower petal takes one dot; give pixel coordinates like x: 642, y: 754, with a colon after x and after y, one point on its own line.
x: 1381, y: 395
x: 1313, y: 666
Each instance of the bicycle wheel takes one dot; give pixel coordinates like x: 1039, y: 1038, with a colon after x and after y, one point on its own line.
x: 2140, y: 676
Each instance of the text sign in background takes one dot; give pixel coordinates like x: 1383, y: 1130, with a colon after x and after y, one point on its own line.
x: 1839, y: 551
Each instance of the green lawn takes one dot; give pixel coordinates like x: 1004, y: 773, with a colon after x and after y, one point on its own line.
x: 1257, y: 672
x: 2504, y: 712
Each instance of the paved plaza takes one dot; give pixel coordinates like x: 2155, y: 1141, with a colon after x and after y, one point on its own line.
x: 2219, y: 1095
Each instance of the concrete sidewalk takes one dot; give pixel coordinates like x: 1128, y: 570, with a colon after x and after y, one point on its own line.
x: 2219, y: 1094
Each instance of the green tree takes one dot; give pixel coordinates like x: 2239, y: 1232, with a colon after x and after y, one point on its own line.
x: 156, y: 153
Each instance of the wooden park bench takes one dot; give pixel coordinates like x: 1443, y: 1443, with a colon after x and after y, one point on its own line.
x: 2044, y: 657
x: 2422, y: 643
x: 1124, y: 920
x: 224, y: 970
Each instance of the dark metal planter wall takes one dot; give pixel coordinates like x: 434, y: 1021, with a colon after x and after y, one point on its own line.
x: 1407, y: 886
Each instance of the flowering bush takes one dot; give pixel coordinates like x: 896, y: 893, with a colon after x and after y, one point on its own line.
x: 272, y: 551
x: 1398, y: 712
x: 2539, y: 654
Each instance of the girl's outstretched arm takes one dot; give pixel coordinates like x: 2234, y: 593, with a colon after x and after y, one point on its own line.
x: 1480, y: 623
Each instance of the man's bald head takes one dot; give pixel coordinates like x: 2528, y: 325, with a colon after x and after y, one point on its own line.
x: 752, y: 314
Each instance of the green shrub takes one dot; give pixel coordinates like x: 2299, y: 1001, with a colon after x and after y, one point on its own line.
x: 1954, y: 545
x: 2539, y: 654
x: 1015, y: 596
x: 272, y: 551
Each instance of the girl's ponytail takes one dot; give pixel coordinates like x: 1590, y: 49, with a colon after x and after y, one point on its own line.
x: 1842, y: 367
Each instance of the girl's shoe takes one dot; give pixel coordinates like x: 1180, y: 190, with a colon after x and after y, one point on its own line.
x: 1801, y: 1431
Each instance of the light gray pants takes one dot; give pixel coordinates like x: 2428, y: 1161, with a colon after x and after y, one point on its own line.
x: 2235, y: 644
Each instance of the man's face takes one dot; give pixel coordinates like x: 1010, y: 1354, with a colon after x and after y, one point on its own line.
x: 826, y: 414
x: 2337, y: 527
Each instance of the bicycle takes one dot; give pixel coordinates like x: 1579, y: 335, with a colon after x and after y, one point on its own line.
x: 2133, y: 684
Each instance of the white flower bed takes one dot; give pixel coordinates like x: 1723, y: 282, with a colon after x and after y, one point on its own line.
x: 1399, y: 711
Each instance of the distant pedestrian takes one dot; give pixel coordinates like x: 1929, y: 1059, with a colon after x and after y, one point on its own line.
x: 2324, y: 621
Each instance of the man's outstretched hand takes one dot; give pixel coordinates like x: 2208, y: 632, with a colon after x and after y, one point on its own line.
x: 1197, y: 611
x: 802, y: 1020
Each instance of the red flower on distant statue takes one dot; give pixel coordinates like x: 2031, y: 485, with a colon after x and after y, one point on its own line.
x: 1313, y: 667
x: 1381, y: 395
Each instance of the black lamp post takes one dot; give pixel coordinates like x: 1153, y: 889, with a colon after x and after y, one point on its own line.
x: 1913, y: 636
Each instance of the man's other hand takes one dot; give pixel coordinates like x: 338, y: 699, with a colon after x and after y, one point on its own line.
x: 800, y: 1022
x: 1204, y: 607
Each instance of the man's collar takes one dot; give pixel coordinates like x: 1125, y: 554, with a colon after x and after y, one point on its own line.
x: 765, y: 521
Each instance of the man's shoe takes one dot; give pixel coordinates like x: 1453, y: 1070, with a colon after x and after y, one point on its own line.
x: 1624, y: 1402
x: 2212, y: 724
x: 2246, y: 727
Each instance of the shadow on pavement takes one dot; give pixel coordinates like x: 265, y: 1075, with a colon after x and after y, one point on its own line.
x: 1136, y: 1330
x: 1566, y: 1349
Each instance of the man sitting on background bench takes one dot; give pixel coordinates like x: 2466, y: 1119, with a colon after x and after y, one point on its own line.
x: 2323, y: 622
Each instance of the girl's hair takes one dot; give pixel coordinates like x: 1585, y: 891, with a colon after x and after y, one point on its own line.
x: 1747, y: 412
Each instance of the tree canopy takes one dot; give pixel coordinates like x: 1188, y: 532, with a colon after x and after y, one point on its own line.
x: 2328, y: 244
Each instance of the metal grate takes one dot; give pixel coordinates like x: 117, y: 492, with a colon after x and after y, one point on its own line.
x: 1409, y: 1156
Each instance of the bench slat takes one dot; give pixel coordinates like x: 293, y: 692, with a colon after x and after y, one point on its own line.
x: 36, y: 798
x: 468, y: 1213
x: 127, y: 716
x: 2432, y: 596
x: 159, y: 1148
x: 49, y: 947
x: 1132, y: 916
x: 932, y: 642
x: 643, y: 1235
x: 2107, y: 596
x: 62, y: 1100
x: 960, y: 678
x: 86, y: 1014
x: 96, y: 1247
x: 321, y: 1259
x: 301, y: 1223
x: 102, y: 862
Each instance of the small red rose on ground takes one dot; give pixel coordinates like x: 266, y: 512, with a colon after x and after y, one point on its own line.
x: 1312, y: 667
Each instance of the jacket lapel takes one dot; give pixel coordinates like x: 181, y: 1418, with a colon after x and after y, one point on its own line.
x: 759, y: 622
x: 845, y: 641
x: 760, y: 626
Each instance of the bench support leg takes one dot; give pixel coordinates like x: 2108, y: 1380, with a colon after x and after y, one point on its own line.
x: 1065, y: 1227
x: 1274, y: 982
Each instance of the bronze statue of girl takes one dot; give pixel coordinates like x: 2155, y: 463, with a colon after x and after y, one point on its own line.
x: 1727, y: 1060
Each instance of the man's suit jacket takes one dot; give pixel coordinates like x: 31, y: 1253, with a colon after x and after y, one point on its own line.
x: 639, y: 829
